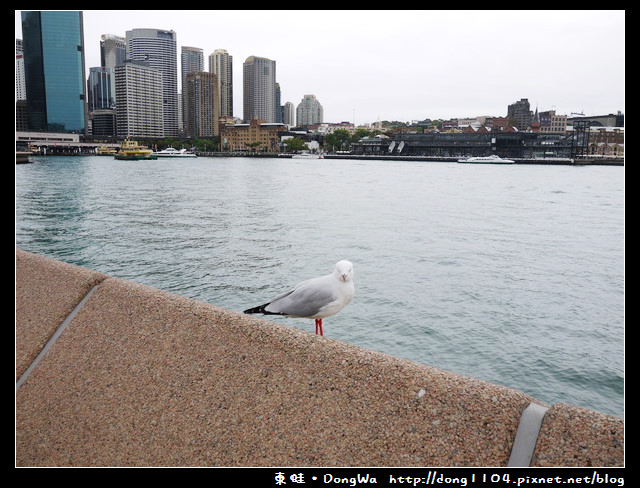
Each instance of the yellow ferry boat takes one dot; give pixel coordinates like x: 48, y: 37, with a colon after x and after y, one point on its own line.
x: 106, y: 151
x: 131, y: 150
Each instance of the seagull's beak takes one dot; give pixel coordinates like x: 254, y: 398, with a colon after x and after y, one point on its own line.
x: 344, y: 276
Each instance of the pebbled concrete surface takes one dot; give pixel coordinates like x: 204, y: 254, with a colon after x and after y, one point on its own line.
x: 141, y: 377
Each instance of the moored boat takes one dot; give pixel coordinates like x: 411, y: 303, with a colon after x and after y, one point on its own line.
x: 172, y: 152
x: 308, y: 156
x: 106, y: 151
x: 493, y: 159
x: 133, y: 151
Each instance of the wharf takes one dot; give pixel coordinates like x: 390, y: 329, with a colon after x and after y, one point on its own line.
x: 23, y: 157
x: 451, y: 159
x: 114, y: 373
x: 441, y: 159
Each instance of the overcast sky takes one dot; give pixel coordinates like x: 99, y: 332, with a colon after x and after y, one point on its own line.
x: 406, y: 65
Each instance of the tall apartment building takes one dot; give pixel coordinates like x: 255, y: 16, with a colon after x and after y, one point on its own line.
x: 202, y: 108
x: 278, y: 118
x: 288, y: 114
x: 139, y: 100
x: 53, y: 46
x: 192, y: 61
x: 309, y: 111
x: 221, y: 64
x: 158, y: 48
x: 259, y: 90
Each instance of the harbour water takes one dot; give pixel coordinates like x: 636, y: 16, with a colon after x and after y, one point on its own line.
x: 513, y: 274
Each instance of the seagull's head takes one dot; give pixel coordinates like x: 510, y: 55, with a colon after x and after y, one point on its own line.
x: 344, y: 270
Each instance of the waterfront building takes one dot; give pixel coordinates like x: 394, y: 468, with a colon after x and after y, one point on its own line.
x: 259, y: 90
x: 157, y: 47
x: 256, y: 136
x: 551, y: 123
x: 506, y: 144
x: 221, y: 64
x: 202, y: 104
x: 309, y: 111
x: 606, y: 141
x: 139, y: 100
x: 54, y: 70
x: 610, y: 120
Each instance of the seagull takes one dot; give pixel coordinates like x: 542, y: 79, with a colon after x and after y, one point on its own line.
x: 315, y: 298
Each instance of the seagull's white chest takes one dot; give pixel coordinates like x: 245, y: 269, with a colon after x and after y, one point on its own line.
x: 344, y: 296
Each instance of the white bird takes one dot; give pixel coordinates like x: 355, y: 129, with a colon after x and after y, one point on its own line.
x: 315, y: 298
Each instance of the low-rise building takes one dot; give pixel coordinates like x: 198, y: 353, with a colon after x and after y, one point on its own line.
x: 256, y: 136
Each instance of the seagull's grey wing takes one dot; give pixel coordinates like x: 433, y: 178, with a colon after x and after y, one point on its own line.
x: 305, y: 300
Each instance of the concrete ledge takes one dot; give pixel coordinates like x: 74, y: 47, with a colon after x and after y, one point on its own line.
x: 141, y: 377
x: 46, y: 293
x: 574, y: 436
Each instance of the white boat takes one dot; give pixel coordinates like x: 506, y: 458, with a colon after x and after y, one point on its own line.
x: 308, y: 156
x: 493, y: 159
x: 172, y: 152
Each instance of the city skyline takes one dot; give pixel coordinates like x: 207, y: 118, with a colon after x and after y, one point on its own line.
x: 439, y: 64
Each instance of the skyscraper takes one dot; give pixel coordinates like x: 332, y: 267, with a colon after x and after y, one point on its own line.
x: 157, y: 47
x: 259, y: 90
x: 221, y: 64
x: 288, y: 114
x: 202, y: 109
x: 139, y: 100
x: 21, y: 93
x: 99, y: 93
x: 113, y: 51
x: 191, y: 61
x: 309, y: 111
x: 53, y: 47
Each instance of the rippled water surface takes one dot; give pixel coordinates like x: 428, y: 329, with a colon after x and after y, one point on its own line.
x: 509, y: 273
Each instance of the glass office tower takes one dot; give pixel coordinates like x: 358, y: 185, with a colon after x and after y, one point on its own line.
x: 53, y: 44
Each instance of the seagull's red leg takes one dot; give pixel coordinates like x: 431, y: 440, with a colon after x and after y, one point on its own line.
x: 319, y: 326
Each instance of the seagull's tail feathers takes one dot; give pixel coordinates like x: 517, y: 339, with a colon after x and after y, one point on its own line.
x: 261, y: 309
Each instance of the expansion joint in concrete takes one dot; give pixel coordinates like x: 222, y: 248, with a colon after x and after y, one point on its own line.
x: 527, y: 435
x: 55, y: 336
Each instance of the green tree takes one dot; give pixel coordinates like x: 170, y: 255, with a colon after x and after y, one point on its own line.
x: 295, y: 144
x: 359, y: 134
x: 254, y: 145
x: 338, y: 140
